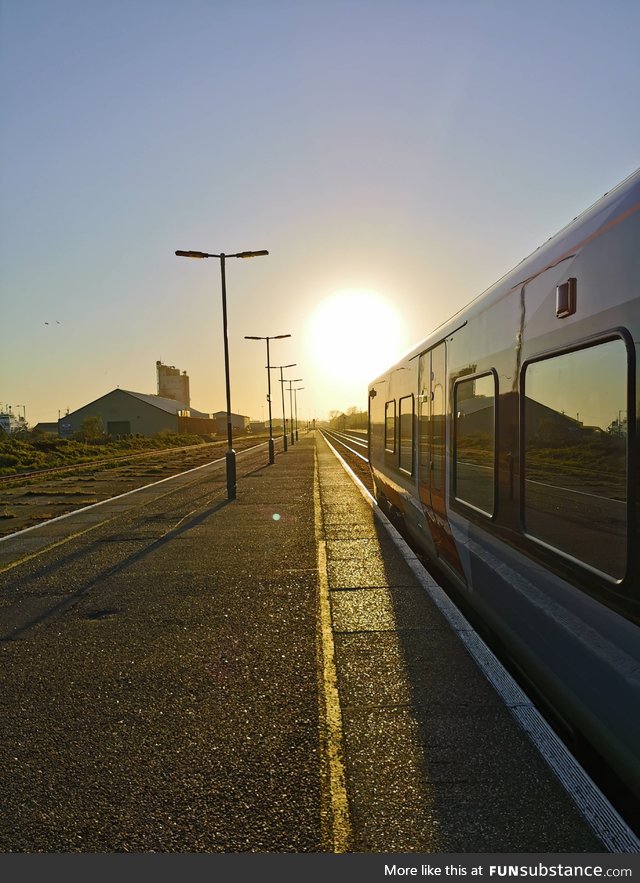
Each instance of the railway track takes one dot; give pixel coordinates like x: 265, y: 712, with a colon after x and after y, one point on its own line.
x: 31, y: 498
x: 353, y: 447
x: 200, y: 452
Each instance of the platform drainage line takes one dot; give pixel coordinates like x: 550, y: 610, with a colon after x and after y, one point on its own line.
x: 336, y: 823
x: 594, y: 806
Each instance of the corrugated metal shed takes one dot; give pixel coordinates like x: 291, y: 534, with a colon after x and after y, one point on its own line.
x: 126, y: 412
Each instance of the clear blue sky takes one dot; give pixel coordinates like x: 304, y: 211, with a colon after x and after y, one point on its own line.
x: 412, y: 149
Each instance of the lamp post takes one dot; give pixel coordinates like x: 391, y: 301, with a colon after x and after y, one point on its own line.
x: 297, y: 380
x: 284, y: 419
x: 295, y: 399
x: 231, y: 454
x: 272, y: 451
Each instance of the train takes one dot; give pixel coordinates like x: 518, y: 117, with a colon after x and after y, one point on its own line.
x: 506, y: 444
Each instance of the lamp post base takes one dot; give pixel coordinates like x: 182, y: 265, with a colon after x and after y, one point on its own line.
x: 272, y: 451
x: 230, y: 458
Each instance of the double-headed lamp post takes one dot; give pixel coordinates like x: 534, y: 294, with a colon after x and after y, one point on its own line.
x: 297, y: 380
x: 284, y: 418
x: 231, y: 454
x: 272, y: 450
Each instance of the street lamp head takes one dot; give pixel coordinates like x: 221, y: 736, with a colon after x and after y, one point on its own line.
x: 193, y: 254
x: 270, y: 337
x: 204, y: 254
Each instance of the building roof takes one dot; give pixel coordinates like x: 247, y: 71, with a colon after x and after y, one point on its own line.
x: 170, y: 406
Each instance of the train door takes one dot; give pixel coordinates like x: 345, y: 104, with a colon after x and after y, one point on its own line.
x: 432, y: 410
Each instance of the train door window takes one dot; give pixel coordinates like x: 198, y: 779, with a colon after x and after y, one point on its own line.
x: 390, y: 426
x: 475, y: 442
x: 575, y: 454
x: 405, y: 415
x: 424, y: 411
x: 438, y: 417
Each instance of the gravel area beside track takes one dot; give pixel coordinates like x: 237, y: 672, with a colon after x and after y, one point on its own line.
x: 29, y: 500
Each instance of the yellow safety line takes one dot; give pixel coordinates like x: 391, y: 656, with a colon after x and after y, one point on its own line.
x: 336, y: 823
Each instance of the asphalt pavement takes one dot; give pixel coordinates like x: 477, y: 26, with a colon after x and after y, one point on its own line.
x: 265, y: 675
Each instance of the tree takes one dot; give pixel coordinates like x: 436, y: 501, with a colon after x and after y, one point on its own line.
x: 91, y: 429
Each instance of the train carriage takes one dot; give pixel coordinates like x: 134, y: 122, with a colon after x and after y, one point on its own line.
x: 507, y: 442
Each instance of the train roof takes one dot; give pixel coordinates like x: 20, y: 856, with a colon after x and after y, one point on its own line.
x: 622, y: 200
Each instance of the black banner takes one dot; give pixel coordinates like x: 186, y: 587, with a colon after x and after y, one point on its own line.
x: 491, y: 868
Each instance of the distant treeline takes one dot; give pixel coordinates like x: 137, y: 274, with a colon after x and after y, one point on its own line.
x: 352, y: 418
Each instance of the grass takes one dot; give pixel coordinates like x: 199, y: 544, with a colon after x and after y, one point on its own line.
x: 29, y: 453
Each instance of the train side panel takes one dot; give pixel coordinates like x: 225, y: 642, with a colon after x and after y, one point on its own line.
x: 541, y: 438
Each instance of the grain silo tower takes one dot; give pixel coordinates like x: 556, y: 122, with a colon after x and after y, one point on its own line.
x: 173, y: 384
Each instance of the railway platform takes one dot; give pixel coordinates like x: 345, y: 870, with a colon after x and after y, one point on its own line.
x: 184, y: 674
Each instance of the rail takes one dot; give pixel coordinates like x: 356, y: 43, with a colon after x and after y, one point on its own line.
x: 339, y: 438
x: 107, y: 461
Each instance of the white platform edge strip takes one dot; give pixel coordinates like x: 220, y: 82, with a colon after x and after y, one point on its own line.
x: 601, y: 816
x: 135, y: 490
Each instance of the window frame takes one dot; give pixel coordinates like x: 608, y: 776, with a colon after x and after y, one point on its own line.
x: 567, y: 559
x: 392, y: 449
x: 402, y: 468
x: 489, y: 516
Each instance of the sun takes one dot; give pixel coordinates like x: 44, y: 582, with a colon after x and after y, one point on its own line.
x: 352, y: 336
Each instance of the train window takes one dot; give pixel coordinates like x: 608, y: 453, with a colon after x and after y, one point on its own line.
x: 575, y: 454
x: 405, y: 414
x: 390, y: 427
x: 475, y: 439
x: 438, y: 419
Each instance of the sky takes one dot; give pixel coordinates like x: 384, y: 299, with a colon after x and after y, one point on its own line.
x: 395, y: 157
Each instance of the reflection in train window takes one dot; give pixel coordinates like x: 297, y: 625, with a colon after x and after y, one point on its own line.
x: 575, y: 454
x: 390, y: 426
x: 405, y: 414
x: 474, y: 477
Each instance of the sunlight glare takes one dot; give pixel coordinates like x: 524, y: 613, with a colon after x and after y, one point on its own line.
x: 354, y: 335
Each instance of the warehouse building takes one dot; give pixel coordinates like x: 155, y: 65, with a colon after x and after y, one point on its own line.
x: 239, y: 424
x: 124, y: 412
